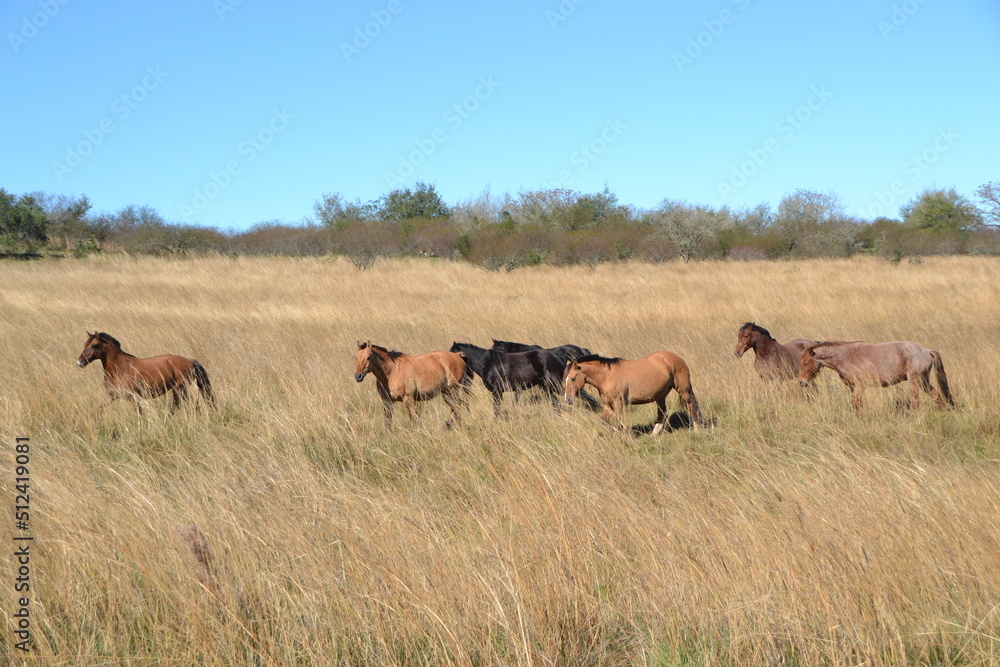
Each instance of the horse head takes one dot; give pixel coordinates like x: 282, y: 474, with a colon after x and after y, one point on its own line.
x: 92, y: 349
x: 573, y: 380
x: 362, y: 360
x: 809, y: 365
x: 744, y: 339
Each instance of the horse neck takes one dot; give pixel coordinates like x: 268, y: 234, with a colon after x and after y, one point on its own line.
x: 479, y: 358
x: 114, y: 358
x: 381, y: 368
x: 595, y: 374
x: 764, y: 346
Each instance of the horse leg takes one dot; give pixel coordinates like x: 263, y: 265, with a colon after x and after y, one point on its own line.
x: 661, y: 415
x: 856, y: 391
x: 497, y: 391
x: 619, y: 412
x: 609, y: 415
x: 135, y: 402
x: 180, y: 392
x: 410, y: 404
x: 454, y: 402
x: 925, y: 384
x: 387, y: 411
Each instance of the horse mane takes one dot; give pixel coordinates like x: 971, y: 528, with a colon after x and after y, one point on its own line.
x: 392, y: 354
x: 108, y: 338
x: 607, y: 361
x: 756, y: 327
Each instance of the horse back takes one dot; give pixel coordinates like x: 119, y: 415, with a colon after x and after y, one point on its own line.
x: 452, y: 363
x: 156, y: 374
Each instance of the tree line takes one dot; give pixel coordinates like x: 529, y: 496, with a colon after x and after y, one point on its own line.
x: 548, y: 226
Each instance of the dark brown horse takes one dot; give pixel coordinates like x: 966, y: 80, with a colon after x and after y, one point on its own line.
x: 880, y: 364
x: 404, y: 378
x: 773, y: 360
x: 131, y: 378
x: 622, y: 382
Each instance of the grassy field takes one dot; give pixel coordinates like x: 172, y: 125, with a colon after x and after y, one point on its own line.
x: 288, y: 527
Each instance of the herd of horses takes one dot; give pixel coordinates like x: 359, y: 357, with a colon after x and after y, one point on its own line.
x: 560, y: 371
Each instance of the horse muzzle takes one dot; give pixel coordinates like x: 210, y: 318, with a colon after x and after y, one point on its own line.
x: 82, y: 363
x: 359, y: 376
x: 803, y: 383
x: 738, y: 353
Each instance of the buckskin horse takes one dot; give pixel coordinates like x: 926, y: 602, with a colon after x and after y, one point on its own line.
x: 882, y: 364
x: 773, y: 360
x: 404, y: 378
x: 129, y: 377
x: 622, y: 382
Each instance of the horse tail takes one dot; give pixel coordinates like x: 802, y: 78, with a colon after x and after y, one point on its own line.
x: 942, y: 378
x: 682, y: 384
x: 201, y: 377
x: 468, y: 375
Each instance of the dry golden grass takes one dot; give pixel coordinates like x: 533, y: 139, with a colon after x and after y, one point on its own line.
x: 287, y: 526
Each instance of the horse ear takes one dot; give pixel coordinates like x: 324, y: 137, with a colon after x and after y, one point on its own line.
x: 361, y: 345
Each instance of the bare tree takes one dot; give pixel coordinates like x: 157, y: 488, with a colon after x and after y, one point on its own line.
x: 988, y: 195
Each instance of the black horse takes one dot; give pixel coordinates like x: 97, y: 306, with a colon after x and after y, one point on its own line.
x: 517, y: 371
x: 570, y: 352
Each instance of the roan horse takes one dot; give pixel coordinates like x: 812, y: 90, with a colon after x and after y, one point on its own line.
x: 131, y: 378
x: 622, y: 382
x: 882, y: 364
x: 409, y: 378
x: 774, y: 360
x: 515, y: 371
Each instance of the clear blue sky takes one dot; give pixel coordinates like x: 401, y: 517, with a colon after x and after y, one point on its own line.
x: 228, y: 113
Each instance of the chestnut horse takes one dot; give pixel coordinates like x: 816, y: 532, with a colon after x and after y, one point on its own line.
x: 410, y: 378
x: 131, y: 378
x: 882, y: 364
x: 773, y: 360
x: 622, y: 382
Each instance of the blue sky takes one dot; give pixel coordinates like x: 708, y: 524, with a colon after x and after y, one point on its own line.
x: 228, y: 112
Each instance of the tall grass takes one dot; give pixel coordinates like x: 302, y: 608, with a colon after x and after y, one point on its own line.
x: 288, y: 527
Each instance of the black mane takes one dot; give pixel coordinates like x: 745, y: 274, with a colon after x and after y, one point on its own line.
x: 392, y: 354
x: 756, y: 327
x: 108, y: 338
x: 607, y: 361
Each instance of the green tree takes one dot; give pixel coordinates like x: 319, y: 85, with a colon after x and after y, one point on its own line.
x: 22, y: 222
x: 67, y: 218
x: 941, y: 211
x: 405, y: 204
x: 333, y: 210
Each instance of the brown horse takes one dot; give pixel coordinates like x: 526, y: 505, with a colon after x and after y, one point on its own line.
x: 882, y: 364
x: 131, y: 378
x: 773, y: 360
x: 410, y: 378
x: 622, y: 382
